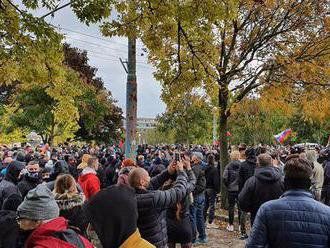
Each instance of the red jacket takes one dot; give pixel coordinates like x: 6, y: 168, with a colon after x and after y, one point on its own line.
x: 41, y: 237
x: 90, y: 184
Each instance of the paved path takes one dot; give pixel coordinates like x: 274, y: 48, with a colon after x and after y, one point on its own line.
x: 220, y: 238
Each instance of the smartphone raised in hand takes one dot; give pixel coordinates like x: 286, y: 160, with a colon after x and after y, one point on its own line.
x: 177, y: 157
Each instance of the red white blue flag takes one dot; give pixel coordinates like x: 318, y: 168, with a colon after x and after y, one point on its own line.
x: 281, y: 137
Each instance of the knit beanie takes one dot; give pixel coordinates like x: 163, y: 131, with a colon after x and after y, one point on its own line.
x: 39, y: 204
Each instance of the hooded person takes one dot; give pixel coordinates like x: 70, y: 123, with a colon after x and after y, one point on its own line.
x: 8, y: 185
x: 246, y: 171
x: 39, y: 214
x: 118, y: 227
x: 264, y: 186
x: 318, y: 174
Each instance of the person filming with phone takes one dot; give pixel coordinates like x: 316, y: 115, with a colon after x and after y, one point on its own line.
x: 153, y: 202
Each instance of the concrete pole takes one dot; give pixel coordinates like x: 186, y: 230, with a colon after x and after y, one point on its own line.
x: 131, y: 101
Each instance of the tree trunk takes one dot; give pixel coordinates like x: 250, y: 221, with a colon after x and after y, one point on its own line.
x: 223, y: 113
x: 223, y: 154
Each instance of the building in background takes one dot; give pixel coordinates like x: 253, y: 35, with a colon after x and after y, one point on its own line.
x: 143, y: 125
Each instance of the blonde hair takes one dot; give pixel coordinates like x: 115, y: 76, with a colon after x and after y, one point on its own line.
x: 234, y: 155
x: 65, y: 187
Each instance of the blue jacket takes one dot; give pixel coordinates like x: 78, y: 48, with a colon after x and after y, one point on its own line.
x: 294, y: 221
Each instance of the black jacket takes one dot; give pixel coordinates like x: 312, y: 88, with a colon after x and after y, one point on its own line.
x: 9, y: 229
x: 8, y: 186
x: 264, y: 186
x: 231, y: 176
x: 246, y: 171
x: 212, y: 178
x: 201, y: 180
x: 72, y: 210
x: 27, y: 184
x: 152, y: 205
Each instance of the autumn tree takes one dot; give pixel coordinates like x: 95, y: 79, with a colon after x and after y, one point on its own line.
x: 189, y: 117
x: 99, y: 118
x: 227, y: 48
x: 31, y: 59
x: 303, y: 108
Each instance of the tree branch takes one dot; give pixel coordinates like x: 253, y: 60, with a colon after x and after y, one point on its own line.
x: 191, y: 47
x: 57, y: 9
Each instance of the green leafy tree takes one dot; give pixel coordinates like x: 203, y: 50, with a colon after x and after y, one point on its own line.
x: 189, y: 117
x: 227, y: 48
x: 46, y: 91
x: 100, y: 119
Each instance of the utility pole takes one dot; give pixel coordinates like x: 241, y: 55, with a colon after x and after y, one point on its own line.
x: 131, y: 100
x: 214, y: 133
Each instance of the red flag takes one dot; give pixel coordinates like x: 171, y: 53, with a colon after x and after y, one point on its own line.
x: 121, y: 144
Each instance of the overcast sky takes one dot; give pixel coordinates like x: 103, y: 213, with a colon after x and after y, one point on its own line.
x: 104, y: 54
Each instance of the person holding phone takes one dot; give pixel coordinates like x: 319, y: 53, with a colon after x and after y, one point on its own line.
x: 178, y: 222
x: 153, y: 202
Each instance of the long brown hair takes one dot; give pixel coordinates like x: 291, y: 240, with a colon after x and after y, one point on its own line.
x: 65, y: 186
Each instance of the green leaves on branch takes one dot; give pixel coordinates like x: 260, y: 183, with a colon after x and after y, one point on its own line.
x: 46, y: 93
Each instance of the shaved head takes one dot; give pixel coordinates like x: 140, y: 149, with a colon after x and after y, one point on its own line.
x: 138, y: 177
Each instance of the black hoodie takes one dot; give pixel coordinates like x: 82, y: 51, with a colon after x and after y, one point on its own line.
x: 113, y: 214
x: 8, y: 184
x: 264, y: 186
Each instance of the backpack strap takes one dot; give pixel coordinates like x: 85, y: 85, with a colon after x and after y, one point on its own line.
x: 69, y: 236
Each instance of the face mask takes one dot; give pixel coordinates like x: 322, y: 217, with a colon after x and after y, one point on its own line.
x: 34, y: 176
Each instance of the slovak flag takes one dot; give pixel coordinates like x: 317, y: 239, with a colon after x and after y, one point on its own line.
x: 281, y: 137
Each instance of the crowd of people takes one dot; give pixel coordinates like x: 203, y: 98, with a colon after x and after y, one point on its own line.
x: 92, y: 196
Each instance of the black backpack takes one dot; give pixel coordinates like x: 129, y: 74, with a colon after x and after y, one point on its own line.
x: 69, y: 236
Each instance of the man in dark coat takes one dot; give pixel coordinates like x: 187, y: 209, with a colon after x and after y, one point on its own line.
x: 212, y: 189
x: 245, y: 172
x: 197, y: 208
x: 31, y: 179
x: 264, y: 186
x: 247, y: 167
x: 296, y: 219
x: 8, y: 185
x: 152, y: 202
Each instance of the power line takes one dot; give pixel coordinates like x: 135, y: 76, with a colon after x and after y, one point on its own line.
x: 95, y: 44
x: 107, y: 54
x: 115, y: 61
x: 91, y: 36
